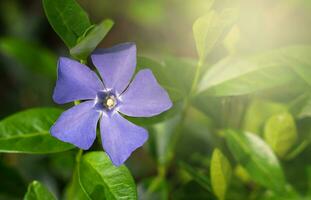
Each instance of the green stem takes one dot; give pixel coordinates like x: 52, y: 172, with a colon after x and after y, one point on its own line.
x: 196, y: 78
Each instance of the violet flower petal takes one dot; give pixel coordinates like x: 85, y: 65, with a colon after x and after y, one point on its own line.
x: 75, y: 82
x: 120, y: 137
x: 77, y: 125
x: 116, y: 65
x: 144, y: 97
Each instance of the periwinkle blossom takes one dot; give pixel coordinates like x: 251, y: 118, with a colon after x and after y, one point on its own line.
x: 106, y: 101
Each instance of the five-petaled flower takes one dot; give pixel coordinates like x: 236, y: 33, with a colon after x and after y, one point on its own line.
x: 106, y: 100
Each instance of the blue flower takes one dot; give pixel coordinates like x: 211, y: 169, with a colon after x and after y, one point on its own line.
x: 106, y: 100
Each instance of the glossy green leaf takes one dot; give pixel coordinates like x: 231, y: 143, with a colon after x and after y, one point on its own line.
x: 31, y: 56
x: 67, y: 18
x: 100, y: 179
x: 243, y: 75
x: 208, y: 30
x: 90, y: 41
x: 238, y: 76
x: 280, y: 133
x: 37, y: 191
x: 257, y: 158
x: 258, y: 111
x: 28, y: 132
x: 220, y: 174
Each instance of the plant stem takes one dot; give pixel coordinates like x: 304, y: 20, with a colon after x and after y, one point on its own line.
x: 196, y: 78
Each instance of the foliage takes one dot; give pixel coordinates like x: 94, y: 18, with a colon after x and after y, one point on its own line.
x: 239, y: 127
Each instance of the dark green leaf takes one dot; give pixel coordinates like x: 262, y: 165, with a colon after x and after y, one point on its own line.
x: 12, y: 182
x: 220, y: 174
x: 28, y: 132
x: 32, y: 56
x: 90, y: 41
x: 153, y: 189
x: 280, y: 133
x: 197, y: 130
x: 67, y: 18
x: 100, y: 179
x: 177, y: 86
x: 192, y: 190
x: 257, y: 158
x: 37, y: 191
x: 146, y: 121
x: 74, y: 190
x: 198, y: 177
x: 162, y: 135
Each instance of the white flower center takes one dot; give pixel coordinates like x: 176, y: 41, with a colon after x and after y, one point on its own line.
x: 110, y: 102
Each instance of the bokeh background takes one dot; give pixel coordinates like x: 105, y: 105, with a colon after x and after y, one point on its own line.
x: 159, y: 28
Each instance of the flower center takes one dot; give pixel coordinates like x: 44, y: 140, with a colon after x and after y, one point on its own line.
x: 110, y: 102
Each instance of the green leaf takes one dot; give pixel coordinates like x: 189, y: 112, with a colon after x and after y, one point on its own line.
x: 242, y: 174
x: 257, y: 158
x: 244, y: 75
x: 28, y: 132
x: 192, y: 190
x: 289, y: 194
x: 31, y: 56
x: 208, y: 30
x: 12, y: 182
x: 239, y: 76
x: 90, y: 41
x: 220, y: 174
x: 165, y: 73
x: 161, y: 135
x: 258, y: 112
x: 280, y: 133
x: 74, y: 190
x: 153, y: 188
x: 305, y: 110
x: 100, y: 179
x: 37, y: 191
x: 298, y: 58
x: 231, y: 40
x: 67, y: 18
x: 146, y: 121
x: 198, y: 177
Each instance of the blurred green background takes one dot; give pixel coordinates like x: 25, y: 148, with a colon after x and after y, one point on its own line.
x: 159, y: 28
